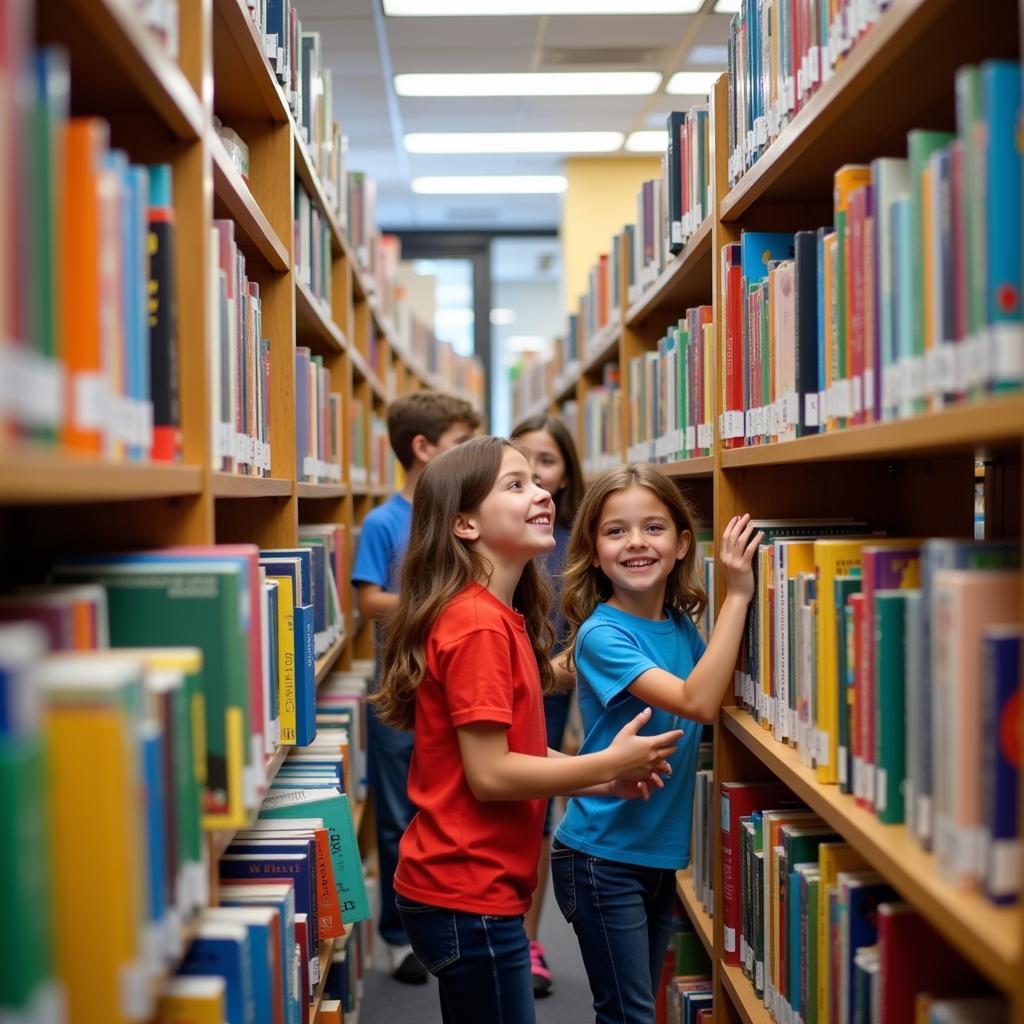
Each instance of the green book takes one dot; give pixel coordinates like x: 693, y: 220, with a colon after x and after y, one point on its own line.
x: 333, y: 807
x: 758, y: 899
x: 691, y: 956
x: 890, y: 704
x: 845, y: 653
x: 809, y: 875
x: 164, y: 603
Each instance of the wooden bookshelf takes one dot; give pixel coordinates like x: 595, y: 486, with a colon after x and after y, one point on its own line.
x: 313, y: 324
x: 326, y: 952
x: 321, y: 492
x: 744, y: 1002
x: 327, y: 661
x: 683, y: 283
x: 703, y: 466
x: 246, y: 85
x: 233, y: 485
x: 987, y: 935
x: 695, y: 910
x: 603, y: 348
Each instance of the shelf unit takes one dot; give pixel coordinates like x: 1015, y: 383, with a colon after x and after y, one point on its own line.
x: 160, y: 110
x: 912, y: 477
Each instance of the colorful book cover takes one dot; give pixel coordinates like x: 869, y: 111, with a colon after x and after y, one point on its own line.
x: 890, y: 704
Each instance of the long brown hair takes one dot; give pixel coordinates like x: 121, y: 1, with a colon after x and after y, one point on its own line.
x: 585, y: 586
x: 438, y: 565
x: 568, y: 499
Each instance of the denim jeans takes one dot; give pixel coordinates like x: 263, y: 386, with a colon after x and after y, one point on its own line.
x: 622, y: 916
x: 389, y: 752
x: 481, y: 962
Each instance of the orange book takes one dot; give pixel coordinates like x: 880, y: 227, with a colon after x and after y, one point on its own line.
x: 85, y: 141
x: 330, y: 1012
x: 328, y: 905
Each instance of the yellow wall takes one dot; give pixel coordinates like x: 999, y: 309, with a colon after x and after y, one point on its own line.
x: 599, y: 201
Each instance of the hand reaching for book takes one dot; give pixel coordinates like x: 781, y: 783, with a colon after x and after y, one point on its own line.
x: 736, y: 555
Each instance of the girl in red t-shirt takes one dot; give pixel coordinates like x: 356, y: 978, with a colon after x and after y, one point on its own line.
x: 465, y: 660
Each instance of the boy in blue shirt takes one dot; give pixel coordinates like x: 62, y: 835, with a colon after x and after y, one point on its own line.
x: 421, y: 426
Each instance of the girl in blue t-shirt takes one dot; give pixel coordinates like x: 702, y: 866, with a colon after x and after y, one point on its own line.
x: 630, y: 592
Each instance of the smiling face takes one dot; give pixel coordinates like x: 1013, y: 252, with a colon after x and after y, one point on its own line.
x: 638, y: 543
x: 548, y: 462
x: 516, y: 519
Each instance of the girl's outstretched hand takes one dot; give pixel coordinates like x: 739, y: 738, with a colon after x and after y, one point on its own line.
x: 630, y: 789
x: 736, y: 555
x: 638, y: 757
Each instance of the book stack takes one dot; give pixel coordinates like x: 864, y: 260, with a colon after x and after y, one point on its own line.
x: 239, y: 361
x: 671, y: 391
x: 312, y: 245
x: 358, y: 443
x: 684, y: 995
x: 602, y: 424
x: 779, y: 55
x: 819, y: 935
x: 531, y: 379
x: 318, y: 421
x: 362, y: 220
x: 887, y: 663
x: 599, y: 304
x: 89, y: 359
x: 908, y: 304
x: 340, y: 704
x: 703, y: 842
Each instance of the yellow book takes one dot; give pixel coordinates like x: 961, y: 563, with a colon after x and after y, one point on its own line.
x: 286, y: 658
x: 832, y: 558
x: 196, y: 999
x: 96, y: 824
x: 832, y: 858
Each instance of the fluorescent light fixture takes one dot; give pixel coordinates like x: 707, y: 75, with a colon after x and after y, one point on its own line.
x: 513, y: 142
x: 727, y: 7
x: 530, y: 83
x: 490, y: 184
x: 525, y: 343
x: 647, y: 142
x: 692, y: 83
x: 501, y: 317
x: 473, y: 8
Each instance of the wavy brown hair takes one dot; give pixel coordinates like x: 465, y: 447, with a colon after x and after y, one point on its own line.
x: 438, y: 565
x: 585, y: 586
x: 568, y: 499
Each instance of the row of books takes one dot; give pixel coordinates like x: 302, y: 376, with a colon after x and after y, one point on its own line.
x: 465, y: 373
x: 318, y: 421
x: 780, y: 52
x: 684, y: 990
x: 893, y: 666
x: 822, y: 937
x: 312, y: 248
x: 671, y: 393
x: 382, y: 461
x: 239, y: 361
x: 602, y: 424
x: 88, y: 354
x: 910, y: 303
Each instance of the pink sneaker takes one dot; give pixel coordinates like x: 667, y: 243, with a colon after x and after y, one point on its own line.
x: 539, y: 970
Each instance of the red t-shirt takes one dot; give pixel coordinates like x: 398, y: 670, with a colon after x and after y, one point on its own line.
x: 458, y: 852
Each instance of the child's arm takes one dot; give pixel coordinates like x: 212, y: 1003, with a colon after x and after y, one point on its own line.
x: 375, y: 602
x: 496, y: 773
x: 622, y: 789
x: 699, y: 696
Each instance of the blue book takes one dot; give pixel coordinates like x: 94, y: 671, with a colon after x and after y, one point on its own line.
x: 258, y: 921
x: 861, y: 892
x: 281, y: 897
x: 321, y: 568
x: 273, y: 596
x: 276, y: 867
x: 156, y: 827
x: 760, y: 248
x: 794, y: 948
x: 1001, y: 97
x: 279, y: 557
x: 222, y: 948
x: 693, y: 1002
x: 1002, y: 682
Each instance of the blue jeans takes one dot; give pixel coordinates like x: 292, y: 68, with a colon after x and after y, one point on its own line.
x: 622, y: 916
x: 481, y: 962
x: 389, y: 752
x: 556, y: 714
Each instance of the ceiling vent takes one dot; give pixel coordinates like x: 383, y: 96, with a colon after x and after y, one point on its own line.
x: 601, y: 56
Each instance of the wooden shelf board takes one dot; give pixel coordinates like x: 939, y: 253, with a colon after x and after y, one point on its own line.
x: 913, y: 41
x: 685, y: 282
x: 567, y: 389
x: 245, y: 88
x: 965, y: 428
x: 233, y: 199
x: 231, y: 485
x: 605, y: 350
x: 43, y: 477
x: 326, y: 662
x: 321, y: 492
x: 358, y: 811
x: 702, y: 923
x: 702, y: 466
x: 987, y: 935
x: 119, y: 66
x: 381, y: 490
x: 326, y: 952
x: 307, y: 174
x: 748, y: 1006
x: 362, y: 368
x: 313, y: 324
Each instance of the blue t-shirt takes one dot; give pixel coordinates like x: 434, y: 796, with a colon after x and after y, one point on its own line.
x: 613, y: 648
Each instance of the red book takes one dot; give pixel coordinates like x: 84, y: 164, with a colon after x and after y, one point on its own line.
x: 668, y: 970
x: 732, y: 286
x: 302, y: 938
x: 914, y: 958
x: 740, y: 799
x: 855, y: 272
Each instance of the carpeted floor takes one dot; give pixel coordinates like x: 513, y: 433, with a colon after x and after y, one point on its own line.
x: 385, y: 1001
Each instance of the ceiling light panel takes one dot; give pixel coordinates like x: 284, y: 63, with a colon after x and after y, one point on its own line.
x: 527, y: 83
x: 473, y: 8
x: 692, y: 83
x: 490, y: 184
x: 727, y: 7
x: 647, y: 142
x: 513, y: 142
